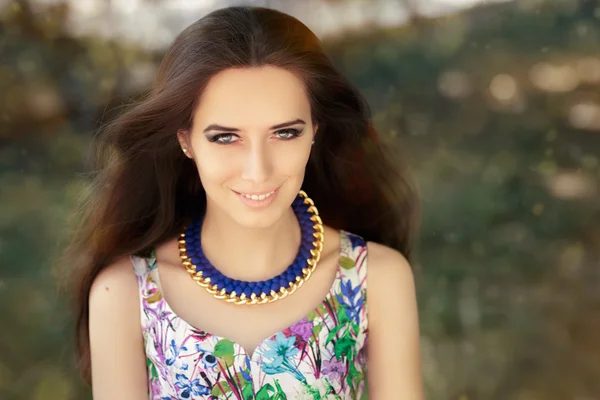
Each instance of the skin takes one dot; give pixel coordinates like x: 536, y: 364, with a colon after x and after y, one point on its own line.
x: 253, y: 244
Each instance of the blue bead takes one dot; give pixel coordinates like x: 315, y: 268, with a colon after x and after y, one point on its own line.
x: 196, y: 260
x: 228, y: 287
x: 247, y: 291
x: 305, y: 254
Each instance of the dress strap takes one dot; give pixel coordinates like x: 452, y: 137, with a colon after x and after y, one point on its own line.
x: 149, y: 290
x: 353, y: 258
x: 353, y: 276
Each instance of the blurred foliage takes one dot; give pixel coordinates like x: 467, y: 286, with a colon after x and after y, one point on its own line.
x: 499, y: 106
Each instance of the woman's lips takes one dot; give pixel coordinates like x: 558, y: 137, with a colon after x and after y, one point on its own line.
x: 257, y: 200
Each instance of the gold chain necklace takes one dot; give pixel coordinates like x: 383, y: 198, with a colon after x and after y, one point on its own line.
x: 233, y: 297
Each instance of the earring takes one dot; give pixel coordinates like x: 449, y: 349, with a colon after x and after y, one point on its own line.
x: 185, y: 150
x: 313, y: 142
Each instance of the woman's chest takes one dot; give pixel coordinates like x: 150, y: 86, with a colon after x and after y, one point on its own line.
x: 321, y: 354
x: 246, y: 325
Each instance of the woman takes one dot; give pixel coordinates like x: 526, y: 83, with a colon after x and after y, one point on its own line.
x: 205, y: 271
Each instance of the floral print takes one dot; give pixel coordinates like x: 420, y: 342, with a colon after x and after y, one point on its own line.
x: 322, y: 356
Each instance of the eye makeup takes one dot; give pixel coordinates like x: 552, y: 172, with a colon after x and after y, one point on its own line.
x: 228, y: 138
x: 222, y: 138
x: 289, y: 134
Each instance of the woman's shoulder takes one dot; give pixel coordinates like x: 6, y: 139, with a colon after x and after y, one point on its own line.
x: 388, y: 268
x: 114, y: 290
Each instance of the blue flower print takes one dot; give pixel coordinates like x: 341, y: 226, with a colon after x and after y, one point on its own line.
x: 279, y: 354
x: 349, y: 300
x: 356, y: 241
x: 280, y: 349
x: 190, y: 387
x: 173, y: 352
x: 208, y: 360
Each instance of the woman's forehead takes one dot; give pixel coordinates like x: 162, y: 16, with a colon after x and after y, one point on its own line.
x: 248, y: 96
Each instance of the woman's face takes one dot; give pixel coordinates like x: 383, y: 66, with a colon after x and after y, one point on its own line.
x: 251, y: 140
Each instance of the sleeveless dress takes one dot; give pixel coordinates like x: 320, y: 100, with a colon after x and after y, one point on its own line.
x: 322, y: 356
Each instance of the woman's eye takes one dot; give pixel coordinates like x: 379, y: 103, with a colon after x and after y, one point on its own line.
x: 223, y: 138
x: 287, y: 134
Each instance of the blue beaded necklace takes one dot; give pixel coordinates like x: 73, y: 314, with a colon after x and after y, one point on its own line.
x: 246, y: 292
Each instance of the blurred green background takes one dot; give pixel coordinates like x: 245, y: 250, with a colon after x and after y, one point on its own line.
x: 497, y: 103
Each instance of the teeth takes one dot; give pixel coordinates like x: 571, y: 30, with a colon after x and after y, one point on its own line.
x: 257, y: 197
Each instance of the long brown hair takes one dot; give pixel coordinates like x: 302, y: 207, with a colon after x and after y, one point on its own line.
x: 144, y: 190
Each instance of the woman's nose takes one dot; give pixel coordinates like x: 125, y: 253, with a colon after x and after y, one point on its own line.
x: 257, y: 164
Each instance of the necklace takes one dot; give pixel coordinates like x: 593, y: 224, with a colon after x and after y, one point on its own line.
x: 267, y: 291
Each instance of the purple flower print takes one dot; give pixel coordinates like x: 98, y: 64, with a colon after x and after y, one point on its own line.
x: 303, y: 329
x: 334, y: 369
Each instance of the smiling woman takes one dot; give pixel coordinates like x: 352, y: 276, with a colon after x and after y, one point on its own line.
x: 223, y: 253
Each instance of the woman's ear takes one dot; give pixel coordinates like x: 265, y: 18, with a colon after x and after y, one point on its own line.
x: 184, y: 142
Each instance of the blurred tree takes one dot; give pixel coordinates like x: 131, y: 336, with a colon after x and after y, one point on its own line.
x: 486, y: 101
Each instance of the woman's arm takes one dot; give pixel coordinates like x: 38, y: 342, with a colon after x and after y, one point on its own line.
x: 394, y: 356
x: 116, y: 343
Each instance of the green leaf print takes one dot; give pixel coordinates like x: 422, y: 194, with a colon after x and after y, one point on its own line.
x: 344, y: 345
x: 153, y: 372
x: 342, y: 316
x: 354, y: 376
x: 279, y: 394
x: 263, y: 393
x: 247, y: 391
x: 224, y: 350
x: 347, y: 262
x: 314, y: 314
x: 220, y: 389
x: 240, y: 381
x: 332, y: 333
x: 317, y: 329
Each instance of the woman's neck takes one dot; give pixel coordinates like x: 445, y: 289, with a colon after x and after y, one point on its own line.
x: 250, y: 254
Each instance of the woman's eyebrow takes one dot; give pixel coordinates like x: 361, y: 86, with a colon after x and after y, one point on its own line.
x: 215, y: 127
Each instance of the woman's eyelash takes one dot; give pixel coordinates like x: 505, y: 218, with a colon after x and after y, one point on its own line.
x: 226, y: 138
x: 290, y: 131
x: 217, y: 138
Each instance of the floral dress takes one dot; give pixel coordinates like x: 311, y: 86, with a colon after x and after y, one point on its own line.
x: 322, y: 356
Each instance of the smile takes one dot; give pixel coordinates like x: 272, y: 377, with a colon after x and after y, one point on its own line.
x: 257, y: 200
x: 257, y: 196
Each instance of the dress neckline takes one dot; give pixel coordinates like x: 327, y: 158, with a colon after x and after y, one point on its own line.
x: 327, y: 300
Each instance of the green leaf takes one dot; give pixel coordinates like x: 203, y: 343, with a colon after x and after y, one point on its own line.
x: 317, y: 329
x: 239, y: 377
x: 342, y: 316
x: 332, y: 333
x: 247, y: 391
x: 224, y: 350
x: 217, y: 391
x: 263, y: 393
x: 280, y: 393
x: 347, y: 262
x: 314, y: 314
x: 153, y: 371
x: 344, y: 346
